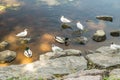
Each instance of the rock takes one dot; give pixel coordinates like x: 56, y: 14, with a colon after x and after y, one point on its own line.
x: 105, y: 49
x: 105, y: 18
x: 67, y: 52
x: 99, y: 36
x: 3, y: 45
x: 86, y: 78
x: 72, y: 52
x: 23, y: 40
x: 24, y: 72
x: 65, y: 26
x: 77, y: 33
x: 69, y: 62
x: 81, y: 40
x: 7, y: 56
x: 115, y: 33
x: 114, y: 74
x: 104, y: 57
x: 36, y: 70
x: 92, y: 72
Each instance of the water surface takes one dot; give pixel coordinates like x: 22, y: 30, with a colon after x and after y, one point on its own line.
x: 42, y: 19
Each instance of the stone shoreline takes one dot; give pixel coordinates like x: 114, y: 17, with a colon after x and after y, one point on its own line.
x: 69, y: 64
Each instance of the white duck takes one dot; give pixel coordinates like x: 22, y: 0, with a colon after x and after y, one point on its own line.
x: 80, y: 26
x: 64, y: 20
x: 56, y: 48
x: 114, y: 46
x: 22, y: 34
x: 28, y: 52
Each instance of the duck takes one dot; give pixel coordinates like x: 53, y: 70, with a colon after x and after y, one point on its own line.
x: 114, y: 46
x: 23, y: 33
x: 56, y: 48
x: 80, y: 26
x: 28, y: 52
x: 62, y: 40
x: 64, y: 20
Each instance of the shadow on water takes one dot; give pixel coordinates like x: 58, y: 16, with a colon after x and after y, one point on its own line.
x: 42, y: 19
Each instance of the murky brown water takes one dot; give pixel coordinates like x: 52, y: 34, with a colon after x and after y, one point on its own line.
x: 42, y: 19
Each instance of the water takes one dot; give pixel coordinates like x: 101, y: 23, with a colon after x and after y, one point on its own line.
x: 42, y: 19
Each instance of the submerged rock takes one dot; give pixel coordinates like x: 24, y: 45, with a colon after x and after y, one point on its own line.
x: 77, y: 33
x: 7, y: 56
x: 3, y: 45
x: 115, y: 33
x: 81, y: 40
x: 23, y: 40
x: 105, y: 18
x: 65, y: 26
x: 99, y: 36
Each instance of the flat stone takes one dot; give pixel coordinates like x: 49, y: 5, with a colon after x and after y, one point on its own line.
x: 36, y: 70
x: 98, y: 77
x: 91, y: 72
x: 67, y: 52
x: 104, y: 57
x: 72, y: 52
x: 115, y: 74
x: 7, y: 56
x: 69, y: 62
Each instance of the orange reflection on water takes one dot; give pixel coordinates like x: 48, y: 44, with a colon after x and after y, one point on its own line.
x: 47, y: 37
x: 3, y: 65
x: 45, y: 42
x: 44, y: 47
x: 23, y: 59
x: 11, y: 38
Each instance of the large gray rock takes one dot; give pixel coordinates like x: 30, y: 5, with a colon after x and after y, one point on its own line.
x: 36, y: 70
x: 93, y: 74
x: 7, y: 56
x: 105, y: 57
x: 63, y: 62
x: 24, y: 72
x: 67, y: 52
x: 99, y: 36
x: 115, y: 74
x: 69, y: 61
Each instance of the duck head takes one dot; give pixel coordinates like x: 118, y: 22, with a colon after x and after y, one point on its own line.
x: 27, y: 48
